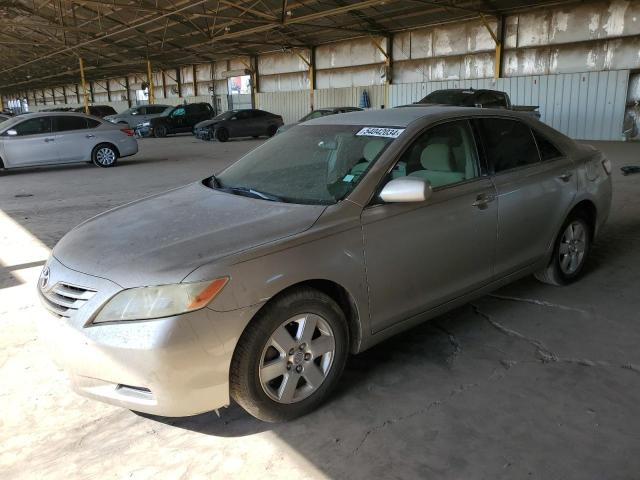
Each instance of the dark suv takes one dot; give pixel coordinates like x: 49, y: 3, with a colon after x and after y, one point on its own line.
x: 180, y: 119
x: 97, y: 110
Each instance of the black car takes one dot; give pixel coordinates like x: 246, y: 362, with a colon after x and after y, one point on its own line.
x: 239, y: 123
x: 180, y: 119
x: 321, y: 112
x: 97, y: 110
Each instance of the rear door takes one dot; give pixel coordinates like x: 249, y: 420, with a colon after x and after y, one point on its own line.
x: 74, y: 141
x: 533, y: 195
x: 34, y: 143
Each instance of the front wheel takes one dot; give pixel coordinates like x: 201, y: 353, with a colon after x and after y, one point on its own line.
x: 160, y: 131
x: 570, y: 252
x: 290, y: 357
x: 222, y: 135
x: 104, y: 156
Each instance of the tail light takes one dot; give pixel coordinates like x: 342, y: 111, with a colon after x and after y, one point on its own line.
x: 606, y: 164
x: 127, y: 131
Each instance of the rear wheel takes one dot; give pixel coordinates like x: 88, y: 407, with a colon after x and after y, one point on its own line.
x: 570, y: 252
x: 104, y: 155
x: 160, y: 131
x: 290, y: 357
x: 222, y: 134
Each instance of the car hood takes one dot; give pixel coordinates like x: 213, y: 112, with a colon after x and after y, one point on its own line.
x: 207, y: 123
x: 161, y: 239
x: 284, y: 128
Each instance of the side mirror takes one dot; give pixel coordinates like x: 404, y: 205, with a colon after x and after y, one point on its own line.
x: 406, y: 189
x: 11, y: 133
x: 135, y: 112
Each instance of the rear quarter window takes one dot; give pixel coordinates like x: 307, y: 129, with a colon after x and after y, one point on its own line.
x: 548, y: 150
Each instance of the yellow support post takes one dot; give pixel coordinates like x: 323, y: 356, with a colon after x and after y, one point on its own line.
x: 85, y: 99
x: 494, y: 36
x: 152, y: 96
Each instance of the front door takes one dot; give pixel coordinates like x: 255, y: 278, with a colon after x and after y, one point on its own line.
x: 534, y: 195
x: 421, y: 255
x: 34, y: 143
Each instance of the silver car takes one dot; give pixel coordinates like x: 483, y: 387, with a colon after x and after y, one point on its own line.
x: 61, y: 137
x: 256, y: 284
x: 139, y: 114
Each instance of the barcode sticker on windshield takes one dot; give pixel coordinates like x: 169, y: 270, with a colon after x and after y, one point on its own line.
x: 380, y: 132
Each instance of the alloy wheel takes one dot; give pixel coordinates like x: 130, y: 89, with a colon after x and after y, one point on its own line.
x: 105, y: 156
x: 297, y: 358
x: 573, y: 246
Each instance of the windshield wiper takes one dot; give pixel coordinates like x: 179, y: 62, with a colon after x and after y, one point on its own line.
x: 255, y: 193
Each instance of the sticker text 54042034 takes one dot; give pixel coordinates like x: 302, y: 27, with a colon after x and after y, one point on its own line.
x: 380, y: 132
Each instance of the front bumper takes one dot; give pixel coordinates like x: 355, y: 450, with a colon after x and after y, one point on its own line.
x: 174, y: 366
x: 141, y: 132
x: 204, y: 133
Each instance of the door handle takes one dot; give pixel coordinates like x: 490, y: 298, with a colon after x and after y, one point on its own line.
x: 483, y: 200
x: 566, y: 176
x: 47, y: 140
x: 90, y: 135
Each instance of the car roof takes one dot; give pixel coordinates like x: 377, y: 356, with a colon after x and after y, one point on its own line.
x: 54, y: 114
x: 474, y: 90
x: 402, y: 117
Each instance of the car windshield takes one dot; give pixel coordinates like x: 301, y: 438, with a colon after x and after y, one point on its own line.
x: 225, y: 115
x: 460, y: 98
x: 308, y: 164
x: 315, y: 114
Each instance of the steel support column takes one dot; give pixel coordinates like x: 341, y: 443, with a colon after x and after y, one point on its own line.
x: 179, y: 81
x: 152, y: 95
x: 195, y: 80
x: 85, y: 99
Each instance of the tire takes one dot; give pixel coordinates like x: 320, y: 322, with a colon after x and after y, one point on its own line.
x: 570, y: 252
x: 160, y: 131
x: 271, y: 131
x: 221, y: 134
x: 104, y: 155
x: 262, y: 391
x: 255, y: 136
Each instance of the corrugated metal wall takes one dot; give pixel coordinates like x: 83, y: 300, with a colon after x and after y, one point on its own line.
x: 291, y: 105
x: 586, y: 106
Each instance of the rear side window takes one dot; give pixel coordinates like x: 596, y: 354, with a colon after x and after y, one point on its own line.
x: 64, y: 124
x: 548, y: 151
x: 34, y: 126
x: 507, y: 143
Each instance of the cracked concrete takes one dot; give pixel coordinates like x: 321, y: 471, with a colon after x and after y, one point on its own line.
x: 530, y: 382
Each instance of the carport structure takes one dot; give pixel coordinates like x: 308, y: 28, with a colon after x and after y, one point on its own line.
x: 309, y: 54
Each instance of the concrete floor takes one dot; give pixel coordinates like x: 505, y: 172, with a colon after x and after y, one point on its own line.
x: 532, y: 382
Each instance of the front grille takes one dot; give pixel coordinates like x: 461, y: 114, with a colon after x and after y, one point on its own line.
x: 65, y: 299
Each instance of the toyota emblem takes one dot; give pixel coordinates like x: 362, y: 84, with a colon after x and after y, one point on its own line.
x: 44, y: 278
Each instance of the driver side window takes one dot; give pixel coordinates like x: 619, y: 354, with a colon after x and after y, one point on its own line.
x: 445, y: 155
x: 178, y: 112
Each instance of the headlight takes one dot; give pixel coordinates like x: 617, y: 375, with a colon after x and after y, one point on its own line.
x: 145, y: 124
x: 161, y: 301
